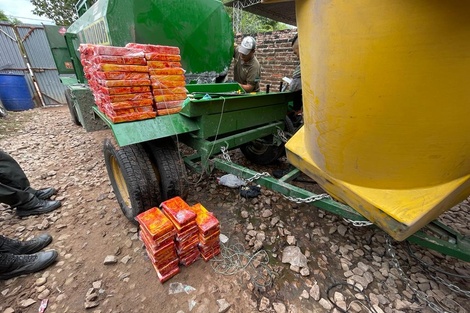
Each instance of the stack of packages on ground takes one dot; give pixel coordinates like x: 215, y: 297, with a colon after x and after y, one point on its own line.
x: 134, y: 82
x: 209, y: 231
x: 167, y: 77
x: 158, y: 233
x: 184, y: 220
x: 119, y: 80
x: 180, y: 231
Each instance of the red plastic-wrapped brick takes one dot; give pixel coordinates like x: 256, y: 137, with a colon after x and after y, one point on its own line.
x: 205, y: 220
x: 121, y: 75
x: 154, y: 48
x: 166, y: 71
x: 169, y: 90
x: 162, y: 57
x: 94, y: 50
x: 167, y: 84
x: 178, y: 211
x: 122, y: 68
x: 152, y: 65
x: 124, y: 83
x: 169, y: 274
x: 190, y: 257
x: 155, y: 223
x: 123, y: 90
x: 169, y: 104
x: 129, y: 60
x: 168, y: 111
x: 170, y: 97
x: 127, y: 97
x: 166, y: 78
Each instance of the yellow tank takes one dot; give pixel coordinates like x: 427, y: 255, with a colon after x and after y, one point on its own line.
x: 386, y: 106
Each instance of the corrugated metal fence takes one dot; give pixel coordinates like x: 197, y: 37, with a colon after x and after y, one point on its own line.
x: 44, y: 80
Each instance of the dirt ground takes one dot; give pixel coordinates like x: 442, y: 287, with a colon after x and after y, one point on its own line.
x: 90, y: 226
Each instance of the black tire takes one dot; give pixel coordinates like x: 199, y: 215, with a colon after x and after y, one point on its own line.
x: 169, y: 167
x: 263, y: 151
x: 3, y: 111
x: 72, y: 108
x: 133, y: 179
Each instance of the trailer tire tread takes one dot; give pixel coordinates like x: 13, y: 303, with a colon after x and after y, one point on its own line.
x: 171, y: 169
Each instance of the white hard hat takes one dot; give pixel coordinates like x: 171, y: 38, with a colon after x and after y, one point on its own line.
x: 248, y: 44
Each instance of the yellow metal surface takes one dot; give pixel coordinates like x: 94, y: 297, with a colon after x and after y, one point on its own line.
x: 386, y: 106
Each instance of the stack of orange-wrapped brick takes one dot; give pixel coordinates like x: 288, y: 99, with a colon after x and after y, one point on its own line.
x: 158, y: 233
x: 209, y: 231
x: 184, y: 220
x: 119, y: 79
x: 167, y: 77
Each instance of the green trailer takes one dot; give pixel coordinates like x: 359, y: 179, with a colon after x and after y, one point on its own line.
x: 148, y: 167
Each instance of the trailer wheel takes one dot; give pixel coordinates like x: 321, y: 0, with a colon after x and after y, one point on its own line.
x: 169, y: 167
x: 263, y: 151
x: 72, y: 108
x: 132, y: 177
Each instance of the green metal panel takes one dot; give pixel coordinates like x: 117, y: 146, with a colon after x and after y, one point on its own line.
x: 200, y: 28
x: 217, y: 124
x: 140, y: 131
x: 235, y: 103
x: 59, y: 49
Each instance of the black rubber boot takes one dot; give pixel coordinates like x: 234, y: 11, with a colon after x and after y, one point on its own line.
x: 45, y: 193
x: 34, y: 245
x: 15, y: 265
x: 37, y: 206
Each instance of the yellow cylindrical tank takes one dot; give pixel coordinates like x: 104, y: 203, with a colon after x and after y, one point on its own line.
x: 386, y: 106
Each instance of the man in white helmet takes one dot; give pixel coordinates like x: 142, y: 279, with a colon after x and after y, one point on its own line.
x: 247, y: 70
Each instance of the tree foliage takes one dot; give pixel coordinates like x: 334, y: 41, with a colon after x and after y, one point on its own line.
x: 252, y: 23
x: 60, y: 11
x: 5, y: 18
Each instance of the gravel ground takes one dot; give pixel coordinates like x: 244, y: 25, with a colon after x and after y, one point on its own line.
x: 280, y: 256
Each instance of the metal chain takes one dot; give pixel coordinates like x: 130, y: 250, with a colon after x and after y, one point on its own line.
x: 281, y: 135
x: 358, y: 223
x: 257, y: 176
x: 309, y: 199
x: 451, y: 286
x: 225, y: 154
x: 419, y: 294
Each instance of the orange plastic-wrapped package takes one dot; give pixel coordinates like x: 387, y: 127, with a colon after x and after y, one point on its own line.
x: 129, y: 60
x: 170, y: 97
x: 123, y: 90
x: 132, y: 117
x: 155, y: 244
x: 121, y: 75
x: 168, y: 111
x: 167, y: 84
x: 178, y: 211
x: 125, y: 83
x: 169, y: 104
x: 122, y: 68
x: 205, y: 220
x: 170, y: 90
x: 162, y: 64
x: 166, y: 78
x: 154, y: 48
x: 162, y: 57
x: 127, y: 97
x: 166, y: 71
x: 111, y: 50
x: 168, y: 273
x: 154, y: 222
x: 147, y: 103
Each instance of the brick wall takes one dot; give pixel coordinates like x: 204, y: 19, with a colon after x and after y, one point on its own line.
x: 275, y: 55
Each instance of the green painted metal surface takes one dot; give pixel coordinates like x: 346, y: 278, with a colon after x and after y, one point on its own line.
x: 140, y: 131
x: 59, y: 49
x: 435, y: 236
x: 84, y: 101
x: 200, y: 28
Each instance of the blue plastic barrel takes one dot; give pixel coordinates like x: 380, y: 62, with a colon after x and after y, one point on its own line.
x: 14, y: 92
